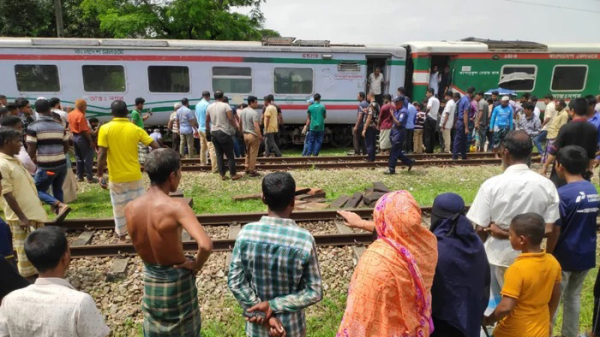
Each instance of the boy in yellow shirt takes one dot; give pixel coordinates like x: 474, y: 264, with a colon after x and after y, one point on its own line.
x: 531, y: 291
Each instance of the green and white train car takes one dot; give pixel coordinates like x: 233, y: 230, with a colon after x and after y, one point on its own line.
x: 565, y: 70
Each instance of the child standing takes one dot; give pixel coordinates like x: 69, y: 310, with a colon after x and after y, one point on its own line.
x: 419, y: 123
x: 573, y: 239
x: 531, y: 289
x: 22, y: 207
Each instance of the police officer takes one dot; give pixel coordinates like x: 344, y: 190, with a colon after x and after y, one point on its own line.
x: 398, y: 136
x: 462, y: 125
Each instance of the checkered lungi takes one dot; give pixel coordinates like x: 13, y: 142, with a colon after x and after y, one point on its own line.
x: 142, y: 153
x: 26, y: 269
x: 499, y: 135
x: 549, y: 145
x: 120, y: 195
x: 170, y: 302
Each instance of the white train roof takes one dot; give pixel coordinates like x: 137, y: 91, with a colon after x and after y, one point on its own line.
x: 485, y: 46
x: 297, y: 46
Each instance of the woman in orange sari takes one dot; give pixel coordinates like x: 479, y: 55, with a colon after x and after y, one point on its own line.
x: 390, y: 291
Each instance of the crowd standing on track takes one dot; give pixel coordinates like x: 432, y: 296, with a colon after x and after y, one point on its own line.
x: 402, y: 284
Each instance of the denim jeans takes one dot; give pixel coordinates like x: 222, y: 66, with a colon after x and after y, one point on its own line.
x: 370, y: 143
x: 315, y: 140
x: 539, y: 140
x: 570, y: 288
x: 43, y: 181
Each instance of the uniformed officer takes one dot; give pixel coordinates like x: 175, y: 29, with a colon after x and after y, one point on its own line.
x: 398, y: 135
x: 462, y: 125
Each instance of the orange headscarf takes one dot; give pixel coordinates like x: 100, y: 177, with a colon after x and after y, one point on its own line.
x: 81, y: 105
x: 390, y: 291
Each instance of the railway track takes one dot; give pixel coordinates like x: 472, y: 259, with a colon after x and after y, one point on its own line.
x: 81, y: 248
x: 279, y: 160
x: 344, y: 162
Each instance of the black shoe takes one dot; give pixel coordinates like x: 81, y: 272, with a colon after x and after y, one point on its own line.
x: 389, y: 173
x: 411, y: 165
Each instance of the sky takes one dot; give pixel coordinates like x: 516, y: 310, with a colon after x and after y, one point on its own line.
x: 397, y: 21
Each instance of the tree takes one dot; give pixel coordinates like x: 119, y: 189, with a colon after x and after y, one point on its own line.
x: 178, y: 19
x: 35, y: 18
x: 27, y: 18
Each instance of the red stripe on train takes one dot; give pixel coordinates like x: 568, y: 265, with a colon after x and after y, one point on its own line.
x: 173, y: 58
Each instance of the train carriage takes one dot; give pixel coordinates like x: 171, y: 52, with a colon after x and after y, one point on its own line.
x: 163, y: 72
x: 565, y: 70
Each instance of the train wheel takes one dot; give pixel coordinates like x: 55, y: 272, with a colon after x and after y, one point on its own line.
x: 341, y: 137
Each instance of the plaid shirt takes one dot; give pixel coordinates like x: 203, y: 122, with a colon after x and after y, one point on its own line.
x: 275, y: 260
x: 532, y: 125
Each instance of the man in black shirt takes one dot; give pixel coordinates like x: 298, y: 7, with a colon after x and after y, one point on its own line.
x: 578, y: 132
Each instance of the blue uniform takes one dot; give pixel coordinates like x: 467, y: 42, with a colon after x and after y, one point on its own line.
x: 397, y: 136
x: 460, y: 138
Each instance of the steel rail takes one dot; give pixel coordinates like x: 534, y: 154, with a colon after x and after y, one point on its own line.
x: 218, y: 219
x: 224, y: 245
x: 297, y: 159
x: 355, y: 164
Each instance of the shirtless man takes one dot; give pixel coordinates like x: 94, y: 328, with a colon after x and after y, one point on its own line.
x: 155, y: 222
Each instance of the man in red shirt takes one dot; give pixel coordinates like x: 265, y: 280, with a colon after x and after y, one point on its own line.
x: 384, y: 124
x: 82, y: 139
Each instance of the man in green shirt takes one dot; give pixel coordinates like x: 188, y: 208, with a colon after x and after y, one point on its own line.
x: 138, y: 119
x: 136, y: 115
x: 316, y: 121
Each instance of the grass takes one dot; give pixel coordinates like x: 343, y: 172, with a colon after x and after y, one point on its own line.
x: 211, y: 195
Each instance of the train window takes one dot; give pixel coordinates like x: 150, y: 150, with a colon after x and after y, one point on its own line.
x: 233, y: 80
x: 518, y: 77
x: 103, y: 78
x: 169, y: 79
x: 569, y: 78
x: 37, y: 78
x: 293, y: 81
x: 348, y: 67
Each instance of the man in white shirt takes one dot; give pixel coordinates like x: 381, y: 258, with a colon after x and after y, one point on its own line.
x: 57, y: 108
x: 447, y: 119
x: 549, y: 115
x: 430, y: 127
x: 518, y: 190
x: 376, y: 81
x: 51, y: 307
x: 435, y: 79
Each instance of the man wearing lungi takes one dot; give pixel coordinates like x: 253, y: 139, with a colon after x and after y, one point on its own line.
x: 155, y: 222
x: 118, y: 142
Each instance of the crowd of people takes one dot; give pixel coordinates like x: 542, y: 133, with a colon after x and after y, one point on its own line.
x: 481, y: 266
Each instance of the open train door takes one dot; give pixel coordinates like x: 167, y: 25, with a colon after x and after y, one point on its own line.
x: 378, y: 61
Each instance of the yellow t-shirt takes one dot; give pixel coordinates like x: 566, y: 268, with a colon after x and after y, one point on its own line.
x: 557, y: 122
x: 530, y: 280
x: 271, y: 112
x: 121, y: 138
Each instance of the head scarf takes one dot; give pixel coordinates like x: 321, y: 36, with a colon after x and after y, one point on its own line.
x: 399, y: 303
x: 460, y: 289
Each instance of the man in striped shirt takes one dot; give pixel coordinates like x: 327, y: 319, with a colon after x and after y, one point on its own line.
x: 274, y: 268
x: 47, y: 143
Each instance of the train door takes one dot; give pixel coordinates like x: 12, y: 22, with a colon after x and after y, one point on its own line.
x: 441, y: 62
x: 377, y: 61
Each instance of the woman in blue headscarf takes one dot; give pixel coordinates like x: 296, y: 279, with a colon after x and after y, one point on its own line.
x: 460, y: 290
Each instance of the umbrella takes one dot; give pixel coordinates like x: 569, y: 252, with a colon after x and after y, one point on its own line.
x: 502, y: 92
